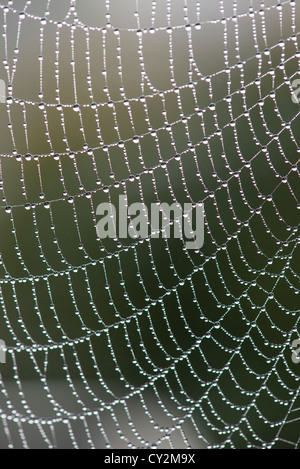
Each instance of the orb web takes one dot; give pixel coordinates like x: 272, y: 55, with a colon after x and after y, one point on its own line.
x: 123, y: 343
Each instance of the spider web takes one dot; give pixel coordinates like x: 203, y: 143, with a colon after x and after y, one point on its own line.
x: 143, y: 343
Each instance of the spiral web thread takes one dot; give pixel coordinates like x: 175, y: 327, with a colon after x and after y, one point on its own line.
x: 222, y: 374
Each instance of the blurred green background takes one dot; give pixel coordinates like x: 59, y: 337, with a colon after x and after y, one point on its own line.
x: 184, y: 343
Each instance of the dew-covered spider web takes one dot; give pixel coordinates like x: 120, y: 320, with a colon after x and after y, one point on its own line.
x: 142, y: 343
